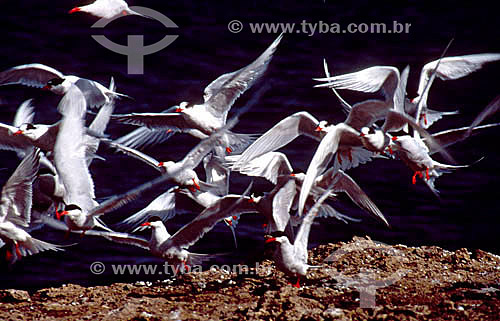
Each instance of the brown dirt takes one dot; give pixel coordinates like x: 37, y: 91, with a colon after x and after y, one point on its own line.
x: 427, y: 283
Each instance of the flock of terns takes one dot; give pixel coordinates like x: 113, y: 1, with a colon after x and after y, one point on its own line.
x: 53, y: 187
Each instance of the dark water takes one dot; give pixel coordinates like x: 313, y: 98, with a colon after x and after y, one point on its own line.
x: 466, y: 215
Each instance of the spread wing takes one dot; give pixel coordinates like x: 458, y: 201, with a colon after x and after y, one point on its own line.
x: 17, y: 193
x: 270, y: 166
x: 221, y: 94
x: 70, y: 151
x: 33, y: 75
x: 301, y: 123
x: 454, y: 67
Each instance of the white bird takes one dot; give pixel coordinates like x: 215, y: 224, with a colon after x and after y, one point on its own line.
x: 449, y: 68
x: 201, y: 120
x: 42, y: 76
x: 276, y: 168
x: 173, y: 248
x: 292, y: 258
x: 370, y: 80
x: 416, y: 152
x: 15, y: 211
x: 107, y: 9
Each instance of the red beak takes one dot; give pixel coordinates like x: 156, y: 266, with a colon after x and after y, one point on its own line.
x: 292, y: 174
x: 361, y: 135
x: 394, y: 138
x: 318, y: 129
x: 46, y: 87
x: 196, y: 185
x: 272, y: 239
x: 146, y: 224
x: 60, y: 214
x: 74, y: 10
x: 19, y: 132
x: 178, y: 110
x: 160, y: 164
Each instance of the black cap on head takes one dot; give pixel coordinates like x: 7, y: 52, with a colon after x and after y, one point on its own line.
x: 154, y: 219
x: 55, y: 82
x: 71, y: 207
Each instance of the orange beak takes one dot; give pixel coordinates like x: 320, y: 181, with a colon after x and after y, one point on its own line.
x: 60, y: 214
x: 196, y: 185
x: 272, y: 239
x: 77, y: 9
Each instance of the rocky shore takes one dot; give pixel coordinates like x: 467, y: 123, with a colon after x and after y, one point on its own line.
x: 396, y: 283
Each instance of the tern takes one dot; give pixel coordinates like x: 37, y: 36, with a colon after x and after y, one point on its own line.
x: 276, y: 168
x: 15, y: 211
x: 42, y: 76
x: 292, y: 258
x: 448, y: 68
x: 107, y: 9
x: 201, y: 120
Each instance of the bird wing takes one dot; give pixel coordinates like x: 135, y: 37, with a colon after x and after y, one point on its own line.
x: 301, y: 123
x: 227, y: 206
x: 365, y: 113
x: 400, y: 93
x: 98, y: 126
x: 302, y: 237
x: 270, y: 166
x: 92, y: 91
x: 347, y: 107
x: 454, y: 67
x: 163, y: 206
x: 24, y: 114
x: 221, y: 94
x: 216, y: 174
x: 17, y: 193
x: 282, y: 203
x: 33, y: 75
x: 367, y: 80
x: 451, y: 136
x: 324, y: 154
x: 137, y: 155
x: 70, y: 149
x: 344, y: 183
x: 164, y: 121
x: 143, y: 137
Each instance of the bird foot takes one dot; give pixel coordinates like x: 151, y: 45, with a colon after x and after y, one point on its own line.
x: 19, y: 255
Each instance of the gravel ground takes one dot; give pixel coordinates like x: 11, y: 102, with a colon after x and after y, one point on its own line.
x: 413, y: 283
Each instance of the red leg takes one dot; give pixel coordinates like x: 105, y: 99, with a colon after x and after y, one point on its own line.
x: 339, y: 158
x: 349, y: 154
x: 427, y: 173
x: 424, y: 116
x: 8, y: 255
x: 297, y: 285
x: 414, y: 178
x: 19, y: 255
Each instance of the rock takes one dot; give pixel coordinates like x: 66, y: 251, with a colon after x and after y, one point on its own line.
x: 13, y: 296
